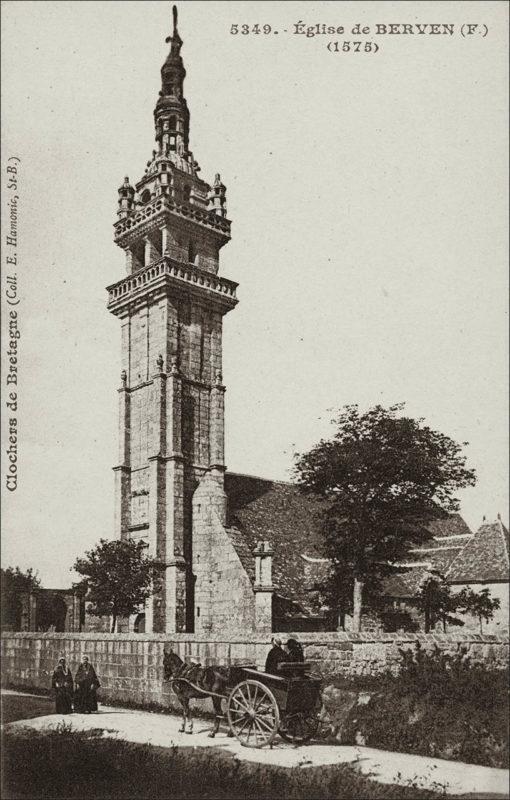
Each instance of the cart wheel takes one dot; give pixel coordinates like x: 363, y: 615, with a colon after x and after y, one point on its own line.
x: 299, y: 728
x: 253, y: 714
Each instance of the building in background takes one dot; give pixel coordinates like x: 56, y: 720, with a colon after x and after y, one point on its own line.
x: 483, y: 563
x: 58, y: 610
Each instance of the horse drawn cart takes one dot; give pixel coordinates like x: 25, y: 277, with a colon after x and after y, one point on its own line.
x: 262, y: 705
x: 259, y: 705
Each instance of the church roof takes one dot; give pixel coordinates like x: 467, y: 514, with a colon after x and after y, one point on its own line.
x: 277, y: 511
x: 484, y: 558
x: 449, y: 536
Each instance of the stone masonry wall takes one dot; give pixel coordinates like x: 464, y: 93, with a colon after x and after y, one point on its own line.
x: 224, y: 596
x: 130, y: 666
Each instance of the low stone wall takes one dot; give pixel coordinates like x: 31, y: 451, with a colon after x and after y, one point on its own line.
x: 130, y: 666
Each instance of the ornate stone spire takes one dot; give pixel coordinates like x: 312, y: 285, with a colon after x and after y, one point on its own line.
x: 171, y: 114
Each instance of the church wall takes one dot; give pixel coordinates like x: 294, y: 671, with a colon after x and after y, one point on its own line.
x: 130, y: 666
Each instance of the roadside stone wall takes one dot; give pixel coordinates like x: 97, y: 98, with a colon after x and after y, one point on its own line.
x: 130, y: 666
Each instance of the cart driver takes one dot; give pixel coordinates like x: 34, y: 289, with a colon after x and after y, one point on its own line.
x: 276, y: 656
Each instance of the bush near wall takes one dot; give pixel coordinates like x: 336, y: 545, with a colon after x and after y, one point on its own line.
x: 439, y: 705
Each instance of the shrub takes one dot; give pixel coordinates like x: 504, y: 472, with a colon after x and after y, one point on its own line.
x: 439, y: 705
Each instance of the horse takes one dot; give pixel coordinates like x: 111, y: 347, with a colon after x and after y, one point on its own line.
x: 204, y: 679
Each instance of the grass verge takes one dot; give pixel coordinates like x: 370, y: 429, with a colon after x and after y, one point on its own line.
x: 75, y: 764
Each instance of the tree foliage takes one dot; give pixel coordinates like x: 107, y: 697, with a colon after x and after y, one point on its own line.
x: 385, y: 477
x: 437, y: 602
x: 118, y: 578
x: 478, y: 604
x: 15, y: 583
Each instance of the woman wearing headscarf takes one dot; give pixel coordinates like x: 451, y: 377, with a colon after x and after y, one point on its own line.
x: 87, y: 684
x: 62, y: 682
x: 275, y: 657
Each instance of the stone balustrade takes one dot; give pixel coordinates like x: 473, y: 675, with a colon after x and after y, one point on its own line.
x: 187, y: 273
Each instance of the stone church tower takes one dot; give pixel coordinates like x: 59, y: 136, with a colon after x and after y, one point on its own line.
x: 171, y: 226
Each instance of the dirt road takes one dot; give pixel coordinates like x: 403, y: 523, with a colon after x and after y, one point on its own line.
x: 385, y: 767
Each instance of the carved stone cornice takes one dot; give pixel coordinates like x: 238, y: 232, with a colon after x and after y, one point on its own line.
x: 152, y: 215
x: 167, y: 276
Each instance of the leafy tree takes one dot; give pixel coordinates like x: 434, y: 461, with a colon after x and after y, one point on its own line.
x: 478, y: 604
x: 118, y: 578
x: 385, y: 477
x: 14, y: 584
x: 437, y: 602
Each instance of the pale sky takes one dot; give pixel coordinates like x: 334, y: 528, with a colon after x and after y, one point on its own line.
x: 368, y: 200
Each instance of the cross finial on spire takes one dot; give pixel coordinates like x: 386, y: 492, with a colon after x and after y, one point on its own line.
x: 174, y: 38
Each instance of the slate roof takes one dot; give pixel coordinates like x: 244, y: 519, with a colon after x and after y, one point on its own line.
x: 449, y: 537
x: 485, y: 558
x: 276, y: 511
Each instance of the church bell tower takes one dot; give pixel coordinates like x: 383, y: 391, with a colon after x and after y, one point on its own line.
x: 171, y: 226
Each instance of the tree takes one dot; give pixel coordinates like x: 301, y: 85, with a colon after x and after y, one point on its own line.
x: 385, y: 477
x: 437, y: 602
x: 14, y: 584
x: 478, y: 604
x: 118, y: 578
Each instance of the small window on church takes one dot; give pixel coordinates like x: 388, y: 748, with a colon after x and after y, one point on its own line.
x: 173, y: 123
x: 198, y: 611
x: 163, y: 167
x: 172, y: 142
x: 146, y: 196
x: 186, y: 192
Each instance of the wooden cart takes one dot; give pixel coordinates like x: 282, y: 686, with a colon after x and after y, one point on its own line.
x: 261, y: 705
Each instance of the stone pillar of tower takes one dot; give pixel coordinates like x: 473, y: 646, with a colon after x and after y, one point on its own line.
x: 171, y: 304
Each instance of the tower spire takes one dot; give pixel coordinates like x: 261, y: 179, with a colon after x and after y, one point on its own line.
x: 171, y: 114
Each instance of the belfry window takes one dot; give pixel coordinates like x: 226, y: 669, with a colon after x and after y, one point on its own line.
x: 172, y: 142
x: 173, y: 123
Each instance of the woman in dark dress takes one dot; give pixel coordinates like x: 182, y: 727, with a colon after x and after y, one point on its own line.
x: 62, y: 682
x: 87, y: 683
